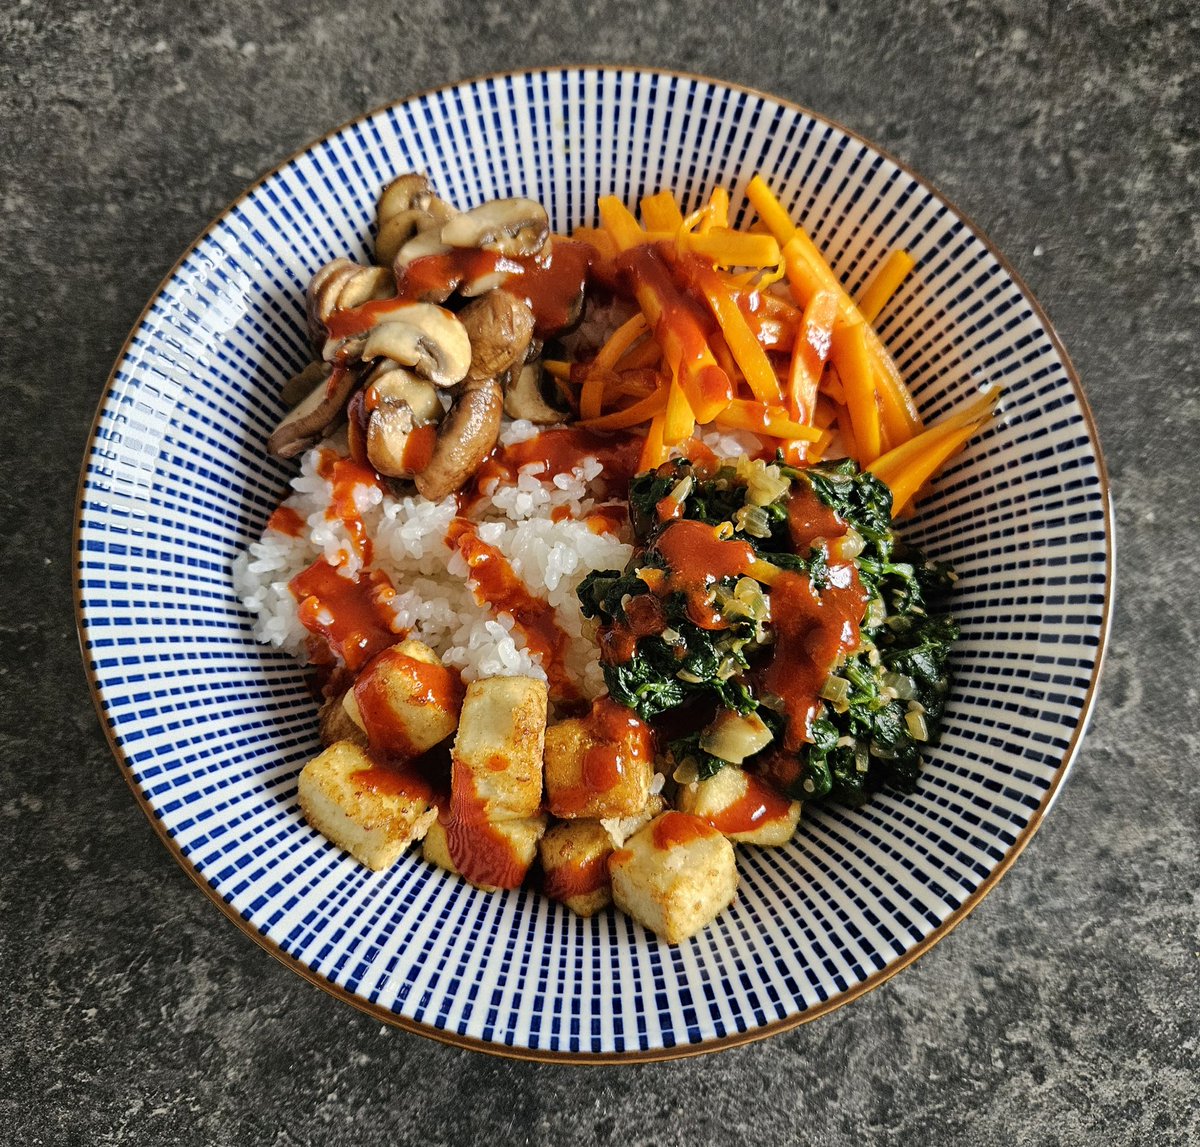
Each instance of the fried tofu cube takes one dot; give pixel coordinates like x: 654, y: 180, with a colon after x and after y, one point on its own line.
x: 517, y: 838
x: 360, y: 807
x: 337, y: 725
x: 599, y: 766
x: 494, y: 821
x: 436, y: 847
x: 742, y: 806
x: 501, y: 734
x: 575, y: 860
x: 405, y: 700
x: 674, y: 876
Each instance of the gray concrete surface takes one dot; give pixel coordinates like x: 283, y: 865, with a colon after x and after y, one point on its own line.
x: 1065, y: 1011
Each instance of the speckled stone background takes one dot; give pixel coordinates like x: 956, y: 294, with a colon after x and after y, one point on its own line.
x: 1066, y: 1010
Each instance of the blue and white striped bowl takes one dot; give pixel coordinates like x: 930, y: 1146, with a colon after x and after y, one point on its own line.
x: 211, y: 729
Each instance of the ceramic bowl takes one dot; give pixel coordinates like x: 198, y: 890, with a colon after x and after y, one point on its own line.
x: 211, y: 729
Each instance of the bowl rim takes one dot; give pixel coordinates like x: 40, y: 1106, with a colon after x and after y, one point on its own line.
x: 734, y: 1039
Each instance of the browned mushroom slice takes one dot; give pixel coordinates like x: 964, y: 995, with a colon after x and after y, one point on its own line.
x: 407, y: 207
x: 500, y: 327
x: 510, y: 226
x: 303, y: 426
x: 420, y: 335
x: 341, y: 285
x: 300, y: 386
x: 466, y: 437
x: 422, y: 246
x: 523, y: 397
x: 402, y: 425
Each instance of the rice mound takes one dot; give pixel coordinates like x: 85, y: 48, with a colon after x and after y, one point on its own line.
x: 434, y: 601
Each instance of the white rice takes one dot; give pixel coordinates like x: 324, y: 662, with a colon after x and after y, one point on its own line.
x: 435, y: 601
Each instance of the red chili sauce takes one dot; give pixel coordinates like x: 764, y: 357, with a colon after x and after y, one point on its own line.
x: 498, y: 585
x: 478, y: 848
x: 577, y: 877
x: 813, y: 631
x: 285, y: 520
x: 558, y: 452
x: 758, y: 805
x: 678, y: 828
x: 551, y: 285
x: 696, y: 559
x: 349, y: 617
x: 344, y: 474
x: 681, y: 324
x: 618, y: 739
x: 420, y: 682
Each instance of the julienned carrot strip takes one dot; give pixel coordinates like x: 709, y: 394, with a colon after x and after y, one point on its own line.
x: 641, y: 355
x: 718, y: 210
x: 909, y: 466
x: 938, y: 444
x: 591, y: 395
x: 884, y: 284
x: 758, y: 417
x: 640, y: 411
x: 660, y: 212
x: 720, y: 245
x: 679, y: 421
x: 747, y: 351
x: 619, y: 342
x: 808, y: 273
x: 854, y: 367
x: 846, y: 430
x: 678, y: 332
x: 557, y: 369
x: 621, y: 226
x: 770, y: 210
x: 598, y: 238
x: 810, y: 352
x: 733, y: 248
x: 654, y: 449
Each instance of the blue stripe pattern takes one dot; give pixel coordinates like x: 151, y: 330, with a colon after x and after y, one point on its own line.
x: 214, y: 728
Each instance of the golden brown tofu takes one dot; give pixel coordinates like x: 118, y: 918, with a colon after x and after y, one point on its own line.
x: 436, y: 847
x: 494, y: 819
x: 406, y: 700
x: 505, y: 849
x: 374, y: 813
x: 575, y: 860
x: 742, y: 806
x: 599, y: 766
x: 336, y: 724
x: 674, y: 876
x: 501, y: 733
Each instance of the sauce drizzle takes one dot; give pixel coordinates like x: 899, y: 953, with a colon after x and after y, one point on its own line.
x: 424, y: 683
x: 758, y: 805
x: 497, y: 585
x: 350, y: 618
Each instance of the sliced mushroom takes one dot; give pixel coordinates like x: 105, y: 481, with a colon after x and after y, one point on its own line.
x: 427, y: 338
x: 343, y: 284
x: 397, y: 444
x: 303, y: 426
x: 300, y: 386
x: 523, y: 397
x: 407, y: 207
x: 466, y: 437
x: 402, y: 425
x: 500, y: 327
x: 510, y: 226
x: 390, y: 382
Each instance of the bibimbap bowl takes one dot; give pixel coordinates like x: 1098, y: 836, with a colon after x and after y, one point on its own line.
x: 211, y: 728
